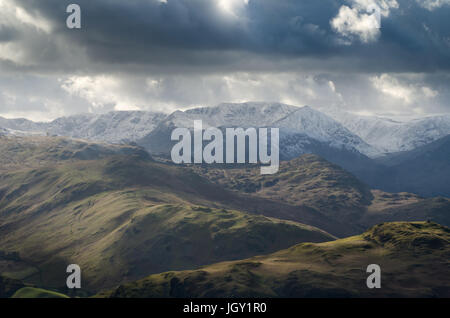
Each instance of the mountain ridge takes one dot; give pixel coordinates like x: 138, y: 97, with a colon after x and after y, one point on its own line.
x: 377, y: 135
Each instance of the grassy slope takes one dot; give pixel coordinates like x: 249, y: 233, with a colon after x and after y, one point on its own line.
x: 122, y: 218
x: 20, y: 152
x: 414, y: 259
x: 31, y: 292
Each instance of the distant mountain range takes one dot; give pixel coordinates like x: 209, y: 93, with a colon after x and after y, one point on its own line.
x: 113, y: 127
x: 378, y: 150
x: 371, y: 136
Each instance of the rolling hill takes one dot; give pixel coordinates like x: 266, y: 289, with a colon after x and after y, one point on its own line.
x: 123, y: 216
x: 414, y: 261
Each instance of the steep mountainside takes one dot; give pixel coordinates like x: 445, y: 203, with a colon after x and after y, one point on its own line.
x: 413, y: 257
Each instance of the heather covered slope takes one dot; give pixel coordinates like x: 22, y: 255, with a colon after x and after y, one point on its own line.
x: 414, y: 261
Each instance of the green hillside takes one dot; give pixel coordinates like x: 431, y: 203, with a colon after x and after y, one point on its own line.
x: 31, y: 292
x: 414, y: 260
x: 123, y: 217
x: 20, y: 152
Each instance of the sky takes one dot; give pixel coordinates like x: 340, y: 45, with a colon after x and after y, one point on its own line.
x: 385, y: 57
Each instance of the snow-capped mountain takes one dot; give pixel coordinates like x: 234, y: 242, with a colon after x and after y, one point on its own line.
x: 232, y: 115
x: 365, y: 146
x: 310, y: 127
x: 21, y: 124
x: 113, y: 127
x: 388, y: 135
x: 322, y: 128
x: 369, y: 135
x: 243, y: 115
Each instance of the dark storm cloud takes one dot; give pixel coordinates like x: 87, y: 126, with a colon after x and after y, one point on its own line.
x: 196, y: 34
x: 167, y: 55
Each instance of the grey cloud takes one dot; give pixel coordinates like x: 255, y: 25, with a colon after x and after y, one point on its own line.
x: 278, y: 50
x: 194, y: 34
